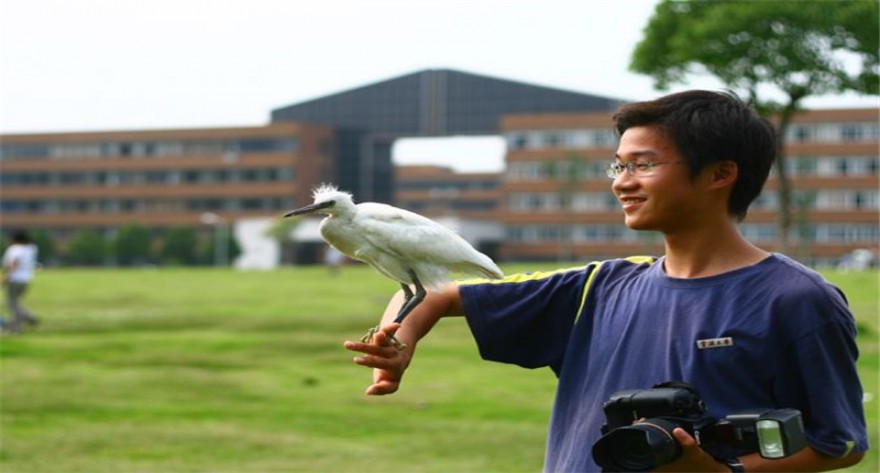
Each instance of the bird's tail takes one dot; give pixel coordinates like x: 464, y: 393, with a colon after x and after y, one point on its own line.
x: 485, y: 267
x: 492, y: 273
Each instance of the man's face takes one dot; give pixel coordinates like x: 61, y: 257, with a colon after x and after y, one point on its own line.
x: 661, y: 195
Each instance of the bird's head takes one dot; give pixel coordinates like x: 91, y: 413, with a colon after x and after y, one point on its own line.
x: 327, y: 200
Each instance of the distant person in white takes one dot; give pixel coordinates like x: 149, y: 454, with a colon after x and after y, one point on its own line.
x: 19, y: 262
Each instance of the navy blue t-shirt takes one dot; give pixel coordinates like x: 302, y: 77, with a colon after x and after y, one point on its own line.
x: 772, y: 335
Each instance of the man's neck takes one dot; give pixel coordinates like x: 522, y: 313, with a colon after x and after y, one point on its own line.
x: 709, y: 252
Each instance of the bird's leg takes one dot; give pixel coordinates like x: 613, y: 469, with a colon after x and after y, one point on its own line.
x: 413, y: 300
x: 407, y: 297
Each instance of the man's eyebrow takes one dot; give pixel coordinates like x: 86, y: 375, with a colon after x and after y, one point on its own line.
x: 638, y: 154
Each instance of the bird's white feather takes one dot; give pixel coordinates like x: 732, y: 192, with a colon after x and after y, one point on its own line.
x: 395, y: 241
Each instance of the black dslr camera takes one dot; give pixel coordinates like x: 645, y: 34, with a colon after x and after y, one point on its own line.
x: 641, y: 446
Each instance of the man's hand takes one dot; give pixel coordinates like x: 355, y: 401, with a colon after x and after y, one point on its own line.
x: 388, y: 362
x: 693, y: 458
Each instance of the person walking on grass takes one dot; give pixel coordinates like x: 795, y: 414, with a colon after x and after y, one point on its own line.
x: 19, y: 264
x: 747, y: 327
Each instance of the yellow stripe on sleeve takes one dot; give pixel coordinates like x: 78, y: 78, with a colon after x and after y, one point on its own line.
x: 592, y: 276
x: 518, y: 278
x: 538, y: 275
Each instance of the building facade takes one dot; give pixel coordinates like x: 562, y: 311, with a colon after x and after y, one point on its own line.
x: 62, y: 182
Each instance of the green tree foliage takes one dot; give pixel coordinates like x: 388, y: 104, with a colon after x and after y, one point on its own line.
x: 180, y: 246
x: 776, y: 53
x: 87, y: 248
x: 568, y: 174
x: 132, y: 244
x: 233, y: 249
x: 45, y: 245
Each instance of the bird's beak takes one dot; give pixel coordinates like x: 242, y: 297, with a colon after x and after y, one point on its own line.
x: 310, y: 208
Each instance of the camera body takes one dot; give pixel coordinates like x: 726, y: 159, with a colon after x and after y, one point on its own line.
x: 637, y: 435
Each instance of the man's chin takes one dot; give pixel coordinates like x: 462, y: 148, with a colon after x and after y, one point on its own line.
x: 634, y: 223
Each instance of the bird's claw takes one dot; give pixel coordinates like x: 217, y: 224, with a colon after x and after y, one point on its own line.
x: 373, y: 331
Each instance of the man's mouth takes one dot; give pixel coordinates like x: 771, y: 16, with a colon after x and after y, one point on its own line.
x: 630, y: 203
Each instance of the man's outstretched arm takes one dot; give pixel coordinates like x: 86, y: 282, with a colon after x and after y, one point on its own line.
x: 388, y: 362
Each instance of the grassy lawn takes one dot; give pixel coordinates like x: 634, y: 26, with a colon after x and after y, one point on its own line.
x: 185, y: 370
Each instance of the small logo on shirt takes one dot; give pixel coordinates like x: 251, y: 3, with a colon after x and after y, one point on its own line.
x: 715, y: 343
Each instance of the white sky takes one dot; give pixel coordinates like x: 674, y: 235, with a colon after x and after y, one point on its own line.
x: 145, y: 64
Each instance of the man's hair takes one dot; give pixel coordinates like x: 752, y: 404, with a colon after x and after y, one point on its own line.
x: 708, y: 127
x: 20, y: 236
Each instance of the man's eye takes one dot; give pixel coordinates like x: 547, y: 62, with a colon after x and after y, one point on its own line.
x: 643, y: 166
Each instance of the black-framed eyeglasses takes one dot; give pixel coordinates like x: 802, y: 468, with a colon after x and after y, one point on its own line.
x: 635, y: 168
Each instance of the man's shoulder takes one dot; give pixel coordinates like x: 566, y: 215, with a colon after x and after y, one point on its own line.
x: 799, y: 285
x: 622, y: 266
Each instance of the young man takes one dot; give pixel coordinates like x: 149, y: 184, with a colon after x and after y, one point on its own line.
x: 19, y: 262
x: 748, y: 328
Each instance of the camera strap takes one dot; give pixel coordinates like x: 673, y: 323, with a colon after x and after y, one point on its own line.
x: 677, y: 384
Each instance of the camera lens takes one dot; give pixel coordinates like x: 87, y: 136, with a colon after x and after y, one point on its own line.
x: 638, y: 447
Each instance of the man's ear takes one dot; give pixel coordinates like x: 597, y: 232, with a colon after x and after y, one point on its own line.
x: 725, y: 173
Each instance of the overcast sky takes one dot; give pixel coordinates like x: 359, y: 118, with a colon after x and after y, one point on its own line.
x: 145, y: 64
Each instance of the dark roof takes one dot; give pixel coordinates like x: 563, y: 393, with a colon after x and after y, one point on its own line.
x: 437, y: 102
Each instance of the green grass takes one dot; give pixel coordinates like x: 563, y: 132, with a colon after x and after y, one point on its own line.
x: 186, y: 370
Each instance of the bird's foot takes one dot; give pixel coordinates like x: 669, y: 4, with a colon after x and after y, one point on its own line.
x: 373, y: 331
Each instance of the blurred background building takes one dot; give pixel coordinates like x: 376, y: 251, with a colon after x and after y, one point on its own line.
x: 552, y: 201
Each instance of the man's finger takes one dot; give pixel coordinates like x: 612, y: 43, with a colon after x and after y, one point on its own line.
x: 382, y: 388
x: 368, y: 348
x: 684, y: 439
x: 377, y: 362
x: 384, y: 336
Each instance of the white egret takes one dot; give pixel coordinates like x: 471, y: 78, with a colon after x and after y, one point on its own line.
x: 402, y: 245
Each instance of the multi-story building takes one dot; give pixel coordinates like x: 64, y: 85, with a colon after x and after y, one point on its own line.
x: 61, y: 182
x: 558, y: 204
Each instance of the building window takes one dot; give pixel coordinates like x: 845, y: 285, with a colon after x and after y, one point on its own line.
x: 800, y: 133
x: 836, y: 200
x: 759, y: 232
x: 802, y: 166
x: 266, y: 145
x: 527, y: 171
x: 851, y: 132
x: 593, y: 202
x: 516, y: 141
x: 843, y: 233
x: 552, y: 140
x: 23, y: 151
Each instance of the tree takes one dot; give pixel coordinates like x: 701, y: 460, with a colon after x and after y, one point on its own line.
x: 86, y: 247
x: 45, y: 246
x: 208, y: 253
x: 567, y: 173
x: 282, y: 231
x: 766, y: 50
x: 179, y: 246
x: 132, y: 244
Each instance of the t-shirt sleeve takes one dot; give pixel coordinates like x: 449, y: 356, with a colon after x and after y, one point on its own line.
x: 819, y: 376
x: 524, y: 319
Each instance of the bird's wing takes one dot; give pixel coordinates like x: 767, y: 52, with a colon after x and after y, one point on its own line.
x: 398, y: 232
x: 411, y: 237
